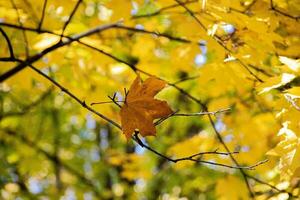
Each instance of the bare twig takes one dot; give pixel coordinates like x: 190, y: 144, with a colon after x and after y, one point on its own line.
x: 202, y: 113
x: 179, y: 39
x: 159, y: 11
x: 176, y: 114
x: 43, y: 15
x: 70, y: 18
x: 104, y: 102
x: 23, y: 32
x: 186, y: 79
x: 10, y: 48
x: 113, y: 99
x: 82, y: 103
x: 192, y: 157
x: 161, y: 120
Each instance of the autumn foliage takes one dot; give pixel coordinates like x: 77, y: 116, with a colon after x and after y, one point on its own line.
x: 85, y: 83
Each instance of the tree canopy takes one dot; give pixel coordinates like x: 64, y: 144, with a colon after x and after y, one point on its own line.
x: 150, y: 99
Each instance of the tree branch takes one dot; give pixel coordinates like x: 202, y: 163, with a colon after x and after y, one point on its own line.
x: 70, y: 17
x: 43, y: 16
x: 192, y: 157
x: 281, y: 12
x: 37, y: 56
x: 82, y: 103
x: 10, y: 48
x: 159, y: 11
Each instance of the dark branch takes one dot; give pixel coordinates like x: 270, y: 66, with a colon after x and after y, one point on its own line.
x: 37, y: 56
x: 281, y: 12
x: 10, y: 48
x: 82, y: 103
x: 192, y: 157
x: 186, y: 79
x: 43, y: 15
x: 176, y: 114
x: 28, y: 28
x: 70, y: 17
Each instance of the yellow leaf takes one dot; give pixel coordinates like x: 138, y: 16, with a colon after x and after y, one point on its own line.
x: 294, y: 92
x: 46, y: 41
x: 290, y: 63
x: 231, y: 188
x: 288, y: 149
x: 276, y: 82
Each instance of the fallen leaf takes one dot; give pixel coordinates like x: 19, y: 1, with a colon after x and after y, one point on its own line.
x: 140, y: 108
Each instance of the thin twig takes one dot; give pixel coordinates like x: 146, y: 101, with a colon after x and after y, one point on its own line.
x: 10, y: 48
x: 161, y: 120
x: 23, y: 32
x: 174, y: 38
x: 104, y: 102
x: 82, y: 103
x: 191, y: 158
x: 176, y: 114
x: 186, y: 79
x: 159, y: 11
x: 202, y: 113
x: 43, y: 15
x: 114, y: 100
x: 70, y: 18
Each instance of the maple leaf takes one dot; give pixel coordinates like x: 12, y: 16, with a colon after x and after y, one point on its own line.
x: 140, y: 108
x: 288, y: 149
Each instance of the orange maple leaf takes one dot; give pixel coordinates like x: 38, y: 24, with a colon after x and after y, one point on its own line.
x: 140, y: 108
